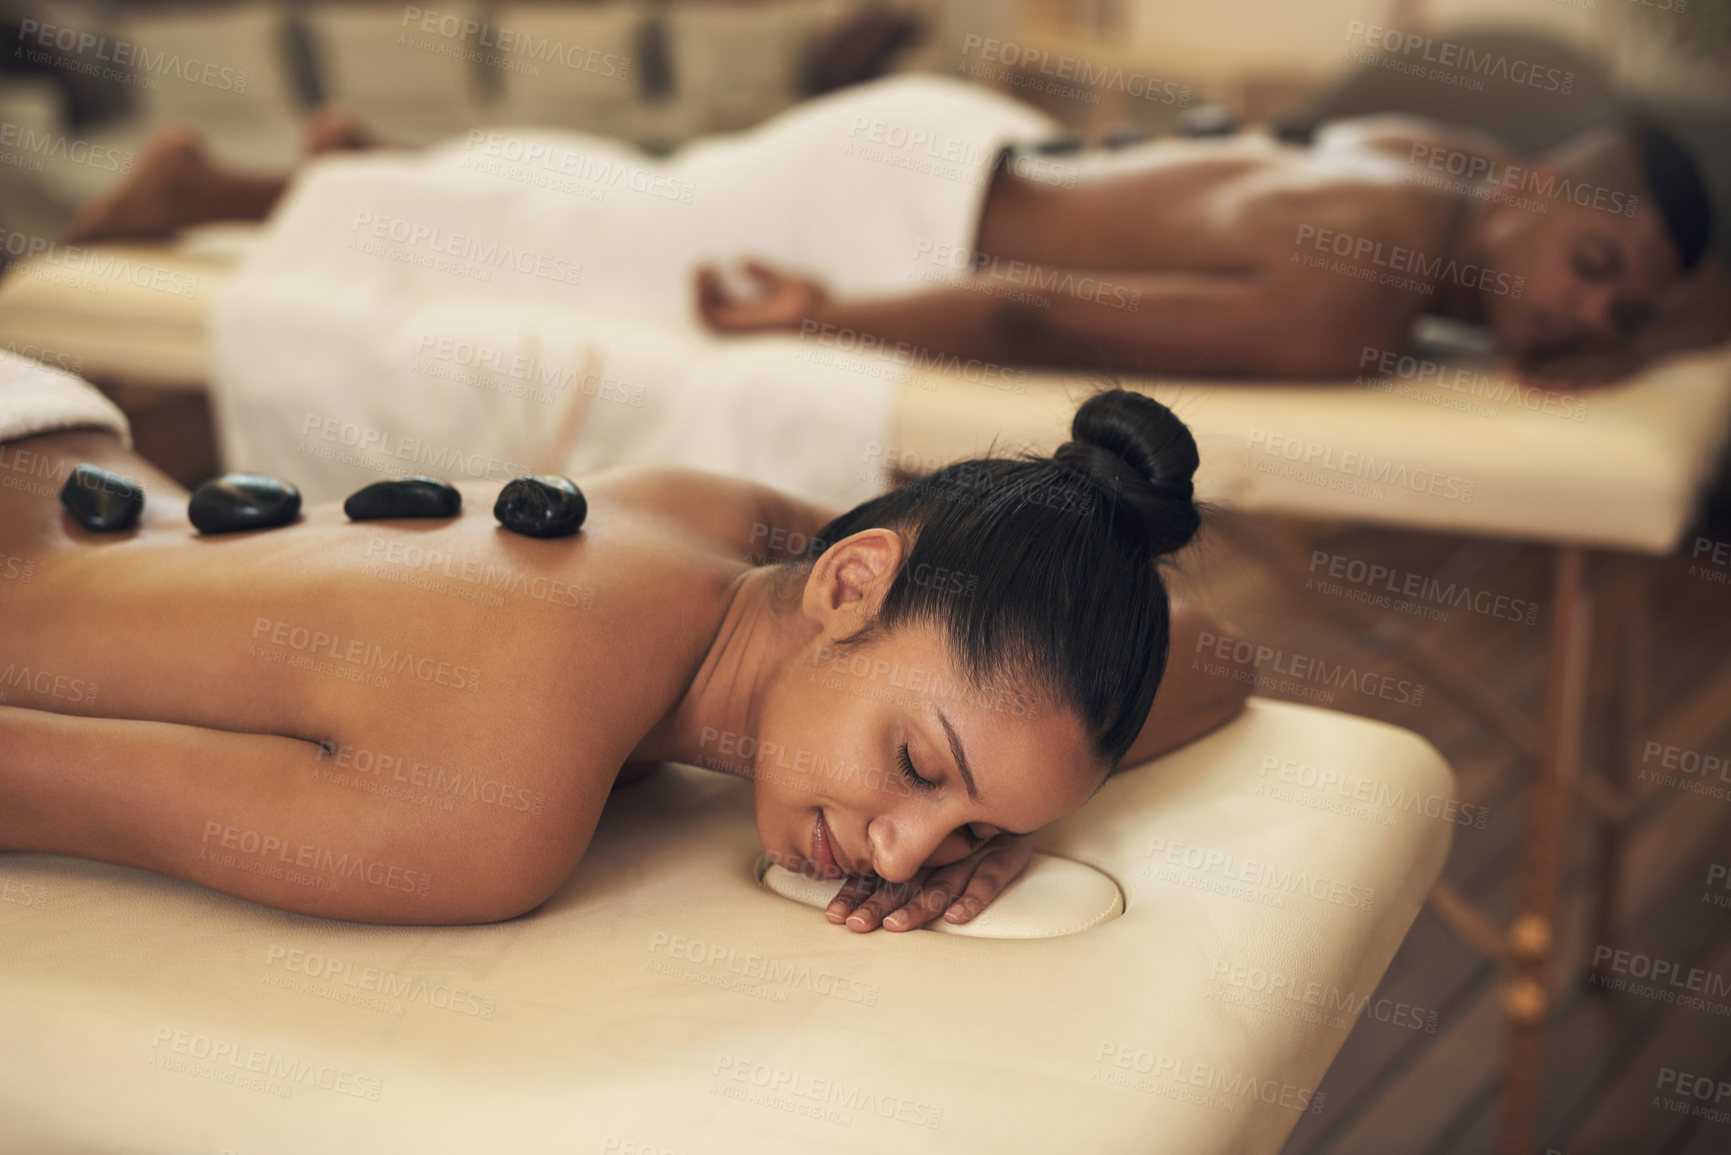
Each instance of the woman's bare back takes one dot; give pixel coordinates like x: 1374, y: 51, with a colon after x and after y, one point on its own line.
x: 441, y: 694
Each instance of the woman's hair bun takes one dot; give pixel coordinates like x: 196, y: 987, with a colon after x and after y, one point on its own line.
x: 1142, y: 457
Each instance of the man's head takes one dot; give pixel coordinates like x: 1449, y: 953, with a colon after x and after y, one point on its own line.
x: 1594, y: 233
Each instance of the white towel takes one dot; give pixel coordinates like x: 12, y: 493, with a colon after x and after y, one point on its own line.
x: 549, y: 259
x: 35, y: 398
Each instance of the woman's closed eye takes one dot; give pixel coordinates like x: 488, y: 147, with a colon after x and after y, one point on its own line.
x: 918, y: 782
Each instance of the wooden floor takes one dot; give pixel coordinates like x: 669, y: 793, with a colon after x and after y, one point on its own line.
x: 1395, y: 1090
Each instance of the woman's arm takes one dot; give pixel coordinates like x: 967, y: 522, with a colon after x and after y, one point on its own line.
x: 272, y: 819
x: 1190, y: 703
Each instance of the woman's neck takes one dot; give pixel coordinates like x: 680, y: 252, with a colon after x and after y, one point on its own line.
x: 757, y: 637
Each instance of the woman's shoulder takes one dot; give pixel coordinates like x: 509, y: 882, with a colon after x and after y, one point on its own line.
x: 742, y: 519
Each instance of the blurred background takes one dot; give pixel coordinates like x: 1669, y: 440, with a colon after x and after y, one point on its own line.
x: 660, y: 72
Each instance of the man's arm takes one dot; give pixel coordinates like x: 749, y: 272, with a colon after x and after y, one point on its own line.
x: 1250, y: 324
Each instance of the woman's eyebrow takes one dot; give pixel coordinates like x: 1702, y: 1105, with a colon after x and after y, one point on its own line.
x: 961, y: 757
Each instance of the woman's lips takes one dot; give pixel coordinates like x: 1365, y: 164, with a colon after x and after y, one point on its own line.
x: 823, y: 850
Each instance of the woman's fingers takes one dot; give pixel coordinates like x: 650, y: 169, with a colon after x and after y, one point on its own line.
x: 958, y: 891
x: 934, y: 898
x: 885, y: 897
x: 856, y: 890
x: 1002, y: 861
x: 977, y: 895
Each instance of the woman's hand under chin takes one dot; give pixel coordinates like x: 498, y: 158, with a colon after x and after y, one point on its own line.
x: 958, y: 891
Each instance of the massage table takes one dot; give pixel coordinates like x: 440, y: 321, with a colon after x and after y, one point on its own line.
x: 119, y: 314
x: 1174, y: 973
x: 1615, y: 468
x: 1604, y: 479
x: 1451, y: 446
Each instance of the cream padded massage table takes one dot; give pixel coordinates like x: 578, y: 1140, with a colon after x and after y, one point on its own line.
x: 134, y: 314
x: 1455, y: 449
x: 1451, y: 447
x: 1214, y: 923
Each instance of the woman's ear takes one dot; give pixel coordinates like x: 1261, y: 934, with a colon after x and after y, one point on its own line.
x: 848, y: 583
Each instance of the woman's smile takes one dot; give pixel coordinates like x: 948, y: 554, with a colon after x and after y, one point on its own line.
x: 830, y: 860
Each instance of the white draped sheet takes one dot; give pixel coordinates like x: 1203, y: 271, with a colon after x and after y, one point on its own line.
x: 437, y: 312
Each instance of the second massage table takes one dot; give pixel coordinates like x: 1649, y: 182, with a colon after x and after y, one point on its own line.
x: 1451, y: 445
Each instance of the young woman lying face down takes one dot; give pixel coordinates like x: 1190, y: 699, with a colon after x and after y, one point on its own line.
x: 420, y: 721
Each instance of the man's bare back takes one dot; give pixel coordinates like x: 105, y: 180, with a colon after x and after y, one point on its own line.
x: 1223, y: 204
x: 1231, y: 210
x: 1248, y: 256
x: 1190, y: 247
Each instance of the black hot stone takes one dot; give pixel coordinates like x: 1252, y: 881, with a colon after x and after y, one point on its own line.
x: 541, y: 505
x: 405, y: 497
x: 103, y: 502
x: 237, y: 501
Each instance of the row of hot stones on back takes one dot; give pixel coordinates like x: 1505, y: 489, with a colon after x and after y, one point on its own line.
x: 536, y: 505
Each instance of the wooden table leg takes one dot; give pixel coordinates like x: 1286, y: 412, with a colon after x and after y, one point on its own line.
x: 1276, y: 551
x: 1532, y: 938
x: 1627, y: 612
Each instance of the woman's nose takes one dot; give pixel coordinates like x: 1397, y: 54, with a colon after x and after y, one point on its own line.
x: 900, y: 847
